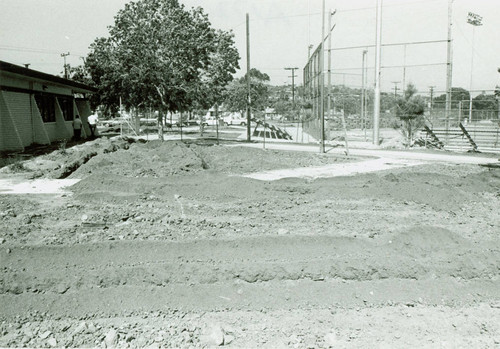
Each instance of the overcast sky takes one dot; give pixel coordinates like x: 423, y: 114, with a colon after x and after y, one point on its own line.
x: 37, y: 32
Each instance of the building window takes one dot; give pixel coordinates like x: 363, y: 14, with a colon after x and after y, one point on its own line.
x: 46, y: 106
x: 66, y: 104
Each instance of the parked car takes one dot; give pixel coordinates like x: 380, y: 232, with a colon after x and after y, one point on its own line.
x: 235, y: 119
x: 210, y: 121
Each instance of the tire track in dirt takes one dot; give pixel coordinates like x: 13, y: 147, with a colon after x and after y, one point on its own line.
x: 115, y: 269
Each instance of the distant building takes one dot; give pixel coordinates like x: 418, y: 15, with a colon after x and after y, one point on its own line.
x: 38, y: 108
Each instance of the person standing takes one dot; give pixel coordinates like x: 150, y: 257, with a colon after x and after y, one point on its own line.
x: 77, y: 128
x: 92, y: 124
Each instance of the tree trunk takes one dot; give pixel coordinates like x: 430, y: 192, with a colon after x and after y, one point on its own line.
x: 202, y: 128
x: 217, y: 122
x: 160, y: 126
x: 408, y: 133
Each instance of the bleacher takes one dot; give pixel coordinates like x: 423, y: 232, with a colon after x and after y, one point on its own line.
x: 271, y: 131
x: 470, y: 137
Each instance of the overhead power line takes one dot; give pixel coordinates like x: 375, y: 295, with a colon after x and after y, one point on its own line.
x: 34, y: 50
x: 395, y: 66
x: 391, y: 44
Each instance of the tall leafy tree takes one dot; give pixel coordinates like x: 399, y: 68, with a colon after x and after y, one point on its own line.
x: 458, y: 94
x: 236, y: 94
x: 81, y: 74
x: 161, y: 55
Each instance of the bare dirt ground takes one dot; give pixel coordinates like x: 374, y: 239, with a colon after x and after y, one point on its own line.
x: 169, y: 245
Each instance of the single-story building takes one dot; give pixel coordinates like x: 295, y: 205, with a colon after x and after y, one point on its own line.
x: 39, y: 108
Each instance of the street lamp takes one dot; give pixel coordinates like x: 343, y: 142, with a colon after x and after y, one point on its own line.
x: 475, y: 20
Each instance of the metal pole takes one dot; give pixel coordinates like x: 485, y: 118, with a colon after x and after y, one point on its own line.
x: 376, y: 107
x: 363, y: 111
x: 404, y: 70
x: 329, y: 65
x: 431, y: 88
x: 475, y: 20
x: 471, y: 70
x: 322, y: 82
x: 248, y: 81
x: 449, y: 66
x: 459, y: 111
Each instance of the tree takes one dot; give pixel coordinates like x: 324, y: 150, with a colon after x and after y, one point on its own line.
x: 458, y: 94
x: 236, y: 94
x: 102, y: 65
x: 280, y: 98
x: 222, y: 65
x: 484, y: 102
x: 81, y: 74
x: 410, y: 109
x: 163, y: 56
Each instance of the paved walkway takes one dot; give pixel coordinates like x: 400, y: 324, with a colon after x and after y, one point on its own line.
x: 387, y: 154
x: 17, y: 185
x: 384, y: 160
x: 334, y: 170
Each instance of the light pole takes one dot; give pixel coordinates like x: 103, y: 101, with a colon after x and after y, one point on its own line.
x: 378, y: 54
x: 475, y: 20
x: 363, y: 91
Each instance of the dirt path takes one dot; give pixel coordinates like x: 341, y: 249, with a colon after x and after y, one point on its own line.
x: 335, y: 170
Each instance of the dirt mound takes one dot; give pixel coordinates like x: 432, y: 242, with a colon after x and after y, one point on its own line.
x: 428, y: 238
x: 62, y: 162
x: 153, y: 159
x: 162, y: 159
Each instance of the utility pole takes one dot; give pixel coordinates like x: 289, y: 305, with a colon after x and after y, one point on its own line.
x: 248, y: 82
x: 395, y: 87
x: 293, y: 82
x: 363, y: 90
x: 344, y: 126
x: 404, y: 69
x: 497, y: 96
x: 475, y: 20
x: 64, y: 55
x: 322, y: 82
x: 449, y: 68
x: 378, y: 54
x: 329, y: 98
x: 431, y: 91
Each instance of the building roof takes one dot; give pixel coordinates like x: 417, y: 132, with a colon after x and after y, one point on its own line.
x: 34, y: 74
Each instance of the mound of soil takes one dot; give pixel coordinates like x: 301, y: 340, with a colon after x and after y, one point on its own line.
x: 62, y: 162
x: 153, y: 159
x: 429, y: 238
x: 162, y: 159
x: 131, y: 260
